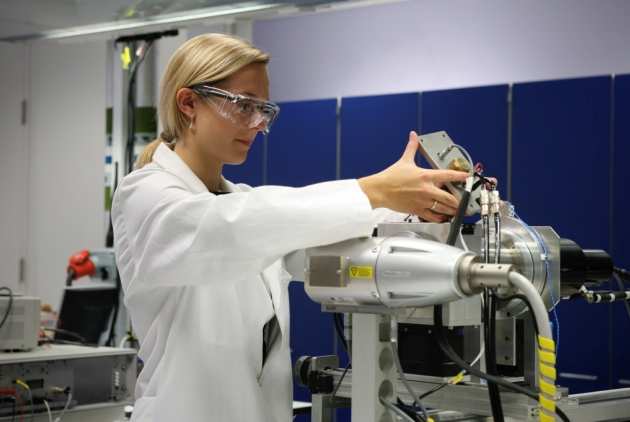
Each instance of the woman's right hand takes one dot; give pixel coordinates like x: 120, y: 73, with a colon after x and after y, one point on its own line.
x: 407, y: 188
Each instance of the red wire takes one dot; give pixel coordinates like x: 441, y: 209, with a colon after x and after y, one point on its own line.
x: 19, y: 404
x: 13, y: 393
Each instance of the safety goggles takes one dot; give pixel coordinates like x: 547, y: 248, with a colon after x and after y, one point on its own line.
x: 241, y: 110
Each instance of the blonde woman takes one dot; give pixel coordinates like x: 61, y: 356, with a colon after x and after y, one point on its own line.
x: 202, y: 259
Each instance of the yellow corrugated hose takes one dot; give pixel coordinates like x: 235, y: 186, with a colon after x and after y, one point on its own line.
x: 547, y: 378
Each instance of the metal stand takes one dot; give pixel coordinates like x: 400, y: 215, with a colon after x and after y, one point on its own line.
x: 373, y: 368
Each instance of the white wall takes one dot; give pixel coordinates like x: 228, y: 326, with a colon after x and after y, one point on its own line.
x: 433, y: 44
x: 13, y: 164
x: 51, y: 168
x: 67, y: 140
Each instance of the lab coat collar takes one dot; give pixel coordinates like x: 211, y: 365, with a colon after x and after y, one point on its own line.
x: 170, y: 161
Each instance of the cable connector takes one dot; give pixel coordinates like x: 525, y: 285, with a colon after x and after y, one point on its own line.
x: 457, y: 378
x: 485, y: 201
x: 495, y: 201
x: 470, y: 181
x: 22, y: 384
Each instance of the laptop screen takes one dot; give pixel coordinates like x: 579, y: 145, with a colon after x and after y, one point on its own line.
x: 86, y: 311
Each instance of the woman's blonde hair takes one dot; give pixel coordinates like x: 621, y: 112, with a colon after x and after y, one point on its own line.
x: 204, y: 58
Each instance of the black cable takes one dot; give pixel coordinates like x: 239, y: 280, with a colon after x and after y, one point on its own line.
x: 131, y: 109
x: 131, y: 104
x: 150, y: 36
x: 622, y: 287
x: 68, y: 333
x: 343, y: 375
x: 622, y: 273
x: 456, y: 224
x: 14, y: 409
x: 109, y: 238
x: 452, y: 355
x: 490, y: 354
x: 338, y: 322
x: 485, y: 179
x: 111, y: 338
x: 9, y: 305
x: 574, y: 296
x: 409, y: 411
x: 497, y: 229
x: 604, y: 296
x: 433, y: 390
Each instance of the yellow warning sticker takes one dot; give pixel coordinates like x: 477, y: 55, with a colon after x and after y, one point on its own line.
x: 357, y: 271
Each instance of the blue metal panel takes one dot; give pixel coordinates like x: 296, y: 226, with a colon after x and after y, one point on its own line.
x: 301, y: 150
x: 302, y: 145
x: 560, y: 168
x: 374, y: 131
x: 251, y: 171
x: 475, y: 118
x: 621, y: 228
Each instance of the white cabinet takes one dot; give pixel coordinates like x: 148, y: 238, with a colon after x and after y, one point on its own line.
x: 13, y: 164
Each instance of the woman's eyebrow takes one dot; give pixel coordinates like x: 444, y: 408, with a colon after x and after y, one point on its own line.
x: 249, y: 94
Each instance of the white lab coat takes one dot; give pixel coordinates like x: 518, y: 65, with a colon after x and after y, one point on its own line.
x: 198, y: 270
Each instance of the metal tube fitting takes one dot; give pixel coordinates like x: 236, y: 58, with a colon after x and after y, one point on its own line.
x: 475, y: 276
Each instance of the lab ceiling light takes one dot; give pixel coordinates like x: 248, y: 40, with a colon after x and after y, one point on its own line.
x: 169, y: 19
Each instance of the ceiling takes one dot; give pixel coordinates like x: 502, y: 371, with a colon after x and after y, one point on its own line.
x: 23, y: 19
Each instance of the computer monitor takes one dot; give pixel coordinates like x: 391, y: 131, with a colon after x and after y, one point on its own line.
x: 86, y: 310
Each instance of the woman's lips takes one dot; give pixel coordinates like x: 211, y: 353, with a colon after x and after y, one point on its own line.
x: 244, y: 142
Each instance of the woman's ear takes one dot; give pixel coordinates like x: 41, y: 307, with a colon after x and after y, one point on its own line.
x: 187, y: 102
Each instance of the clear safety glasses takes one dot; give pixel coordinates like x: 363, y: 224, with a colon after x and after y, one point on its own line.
x: 241, y: 110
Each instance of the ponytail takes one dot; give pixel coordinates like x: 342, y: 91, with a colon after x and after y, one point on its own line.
x: 146, y: 156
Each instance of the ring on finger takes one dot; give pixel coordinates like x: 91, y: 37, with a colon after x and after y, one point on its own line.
x: 433, y: 206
